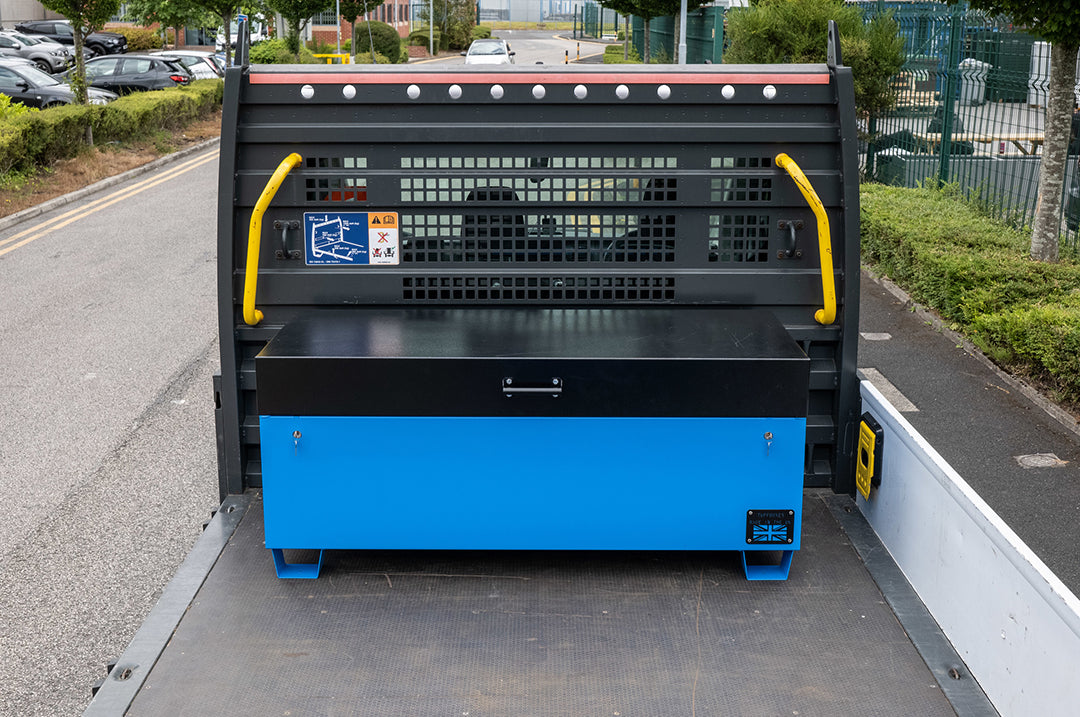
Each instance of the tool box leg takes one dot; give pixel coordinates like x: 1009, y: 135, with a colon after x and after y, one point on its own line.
x: 309, y: 571
x: 769, y: 572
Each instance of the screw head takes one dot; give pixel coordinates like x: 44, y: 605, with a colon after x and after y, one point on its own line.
x: 296, y: 434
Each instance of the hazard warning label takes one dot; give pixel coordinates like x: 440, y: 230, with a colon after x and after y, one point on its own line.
x: 351, y: 238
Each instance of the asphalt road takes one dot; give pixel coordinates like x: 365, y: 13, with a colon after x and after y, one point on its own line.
x: 108, y: 342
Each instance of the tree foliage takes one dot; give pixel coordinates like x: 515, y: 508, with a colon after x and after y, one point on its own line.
x: 454, y: 21
x: 168, y: 13
x: 296, y: 14
x: 1057, y: 21
x: 796, y: 31
x: 86, y: 16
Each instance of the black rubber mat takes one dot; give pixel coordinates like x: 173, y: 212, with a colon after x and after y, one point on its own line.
x: 530, y: 634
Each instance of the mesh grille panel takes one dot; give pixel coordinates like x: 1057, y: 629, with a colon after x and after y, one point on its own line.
x: 739, y: 238
x: 507, y: 237
x: 538, y: 288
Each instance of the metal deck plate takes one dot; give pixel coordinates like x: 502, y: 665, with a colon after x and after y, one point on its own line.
x: 550, y: 633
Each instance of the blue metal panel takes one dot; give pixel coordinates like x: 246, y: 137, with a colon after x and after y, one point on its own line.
x: 527, y: 483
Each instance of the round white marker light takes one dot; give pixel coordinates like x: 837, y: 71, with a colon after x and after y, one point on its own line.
x: 413, y: 92
x: 622, y: 92
x: 539, y: 92
x: 727, y: 91
x: 455, y: 92
x: 497, y: 92
x: 307, y: 92
x: 348, y: 92
x: 663, y: 92
x: 581, y: 92
x: 769, y: 91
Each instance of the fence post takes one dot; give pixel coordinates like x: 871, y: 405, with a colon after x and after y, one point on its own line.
x: 952, y: 79
x: 718, y: 35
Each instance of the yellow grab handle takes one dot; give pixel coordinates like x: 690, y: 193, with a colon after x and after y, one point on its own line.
x: 252, y: 315
x: 828, y: 283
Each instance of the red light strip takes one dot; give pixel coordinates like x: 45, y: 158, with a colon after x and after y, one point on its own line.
x: 399, y: 78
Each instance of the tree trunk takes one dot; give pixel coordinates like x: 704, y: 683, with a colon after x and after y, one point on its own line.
x: 1058, y: 124
x: 79, y: 83
x: 675, y: 39
x: 626, y: 38
x: 225, y: 19
x: 646, y: 58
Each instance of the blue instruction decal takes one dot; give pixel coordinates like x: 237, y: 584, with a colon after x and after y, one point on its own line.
x: 351, y: 239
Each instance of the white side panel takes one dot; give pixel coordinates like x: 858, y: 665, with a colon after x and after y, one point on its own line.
x: 1012, y: 620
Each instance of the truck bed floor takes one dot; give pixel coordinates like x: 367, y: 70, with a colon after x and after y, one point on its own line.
x: 540, y: 633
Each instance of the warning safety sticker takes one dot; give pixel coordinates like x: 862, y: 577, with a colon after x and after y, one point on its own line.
x: 351, y: 238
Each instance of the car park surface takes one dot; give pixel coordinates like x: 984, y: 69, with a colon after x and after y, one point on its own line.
x: 23, y: 82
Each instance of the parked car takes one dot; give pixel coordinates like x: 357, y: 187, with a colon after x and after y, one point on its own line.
x: 50, y: 57
x: 257, y: 34
x: 489, y: 52
x: 100, y: 43
x: 202, y: 65
x: 135, y: 73
x: 23, y: 82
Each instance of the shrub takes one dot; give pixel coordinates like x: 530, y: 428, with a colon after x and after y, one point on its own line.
x: 382, y: 37
x: 276, y: 52
x: 976, y: 273
x: 13, y: 109
x: 36, y: 139
x: 419, y: 38
x: 774, y: 31
x: 481, y: 32
x: 366, y: 58
x: 613, y: 55
x: 139, y: 39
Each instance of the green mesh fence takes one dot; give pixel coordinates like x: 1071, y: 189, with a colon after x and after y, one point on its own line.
x: 970, y: 109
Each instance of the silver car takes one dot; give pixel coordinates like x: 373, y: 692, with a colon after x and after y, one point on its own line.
x: 201, y: 64
x: 50, y: 57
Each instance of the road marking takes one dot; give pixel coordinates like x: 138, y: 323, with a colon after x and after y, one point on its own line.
x: 899, y: 401
x: 871, y: 336
x: 58, y: 222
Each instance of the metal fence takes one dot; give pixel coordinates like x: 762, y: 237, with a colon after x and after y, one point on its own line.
x: 598, y: 21
x: 970, y: 110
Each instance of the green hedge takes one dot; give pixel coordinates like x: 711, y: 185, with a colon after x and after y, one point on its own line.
x: 139, y: 39
x: 976, y: 274
x: 385, y: 39
x: 37, y: 139
x: 419, y: 38
x: 276, y: 52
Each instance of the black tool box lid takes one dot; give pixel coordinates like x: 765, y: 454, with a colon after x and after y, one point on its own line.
x: 671, y: 361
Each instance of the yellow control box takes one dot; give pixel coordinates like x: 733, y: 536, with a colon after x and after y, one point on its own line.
x: 868, y: 463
